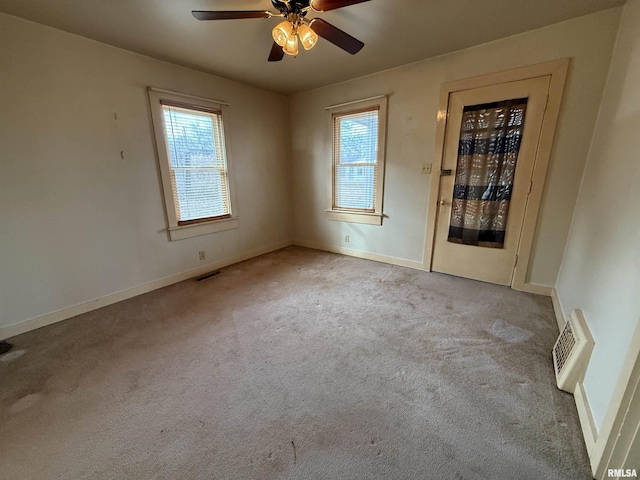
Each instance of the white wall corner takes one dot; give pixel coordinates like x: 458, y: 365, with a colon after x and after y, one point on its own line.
x: 614, y: 444
x: 66, y: 313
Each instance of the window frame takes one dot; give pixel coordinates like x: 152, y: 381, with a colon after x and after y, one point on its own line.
x: 358, y: 215
x: 179, y: 230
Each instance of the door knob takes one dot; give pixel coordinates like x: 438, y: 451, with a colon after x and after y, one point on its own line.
x: 442, y: 202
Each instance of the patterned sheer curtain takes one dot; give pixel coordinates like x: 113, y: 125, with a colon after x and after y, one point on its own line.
x: 490, y: 138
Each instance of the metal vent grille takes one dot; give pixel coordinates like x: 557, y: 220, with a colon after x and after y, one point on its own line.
x: 563, y: 347
x: 572, y: 351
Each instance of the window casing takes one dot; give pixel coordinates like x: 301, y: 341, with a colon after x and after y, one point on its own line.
x: 194, y: 163
x: 358, y: 132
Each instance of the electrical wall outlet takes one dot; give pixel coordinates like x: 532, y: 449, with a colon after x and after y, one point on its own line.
x: 346, y: 239
x: 201, y: 254
x: 425, y: 169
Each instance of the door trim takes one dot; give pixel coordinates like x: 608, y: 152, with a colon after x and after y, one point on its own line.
x: 557, y: 70
x: 612, y: 446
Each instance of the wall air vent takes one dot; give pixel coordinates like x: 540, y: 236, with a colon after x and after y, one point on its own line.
x: 207, y: 276
x: 572, y: 351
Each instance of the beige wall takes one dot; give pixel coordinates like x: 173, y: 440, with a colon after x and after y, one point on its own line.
x: 413, y: 99
x: 601, y: 270
x: 77, y: 222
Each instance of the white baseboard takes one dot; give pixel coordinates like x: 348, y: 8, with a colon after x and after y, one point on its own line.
x: 557, y: 308
x: 537, y: 289
x: 54, y: 317
x: 402, y: 262
x: 587, y: 423
x: 589, y: 429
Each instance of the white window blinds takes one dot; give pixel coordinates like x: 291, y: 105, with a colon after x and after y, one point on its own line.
x: 355, y: 160
x: 197, y: 162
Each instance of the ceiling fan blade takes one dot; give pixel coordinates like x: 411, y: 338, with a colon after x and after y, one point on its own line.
x: 326, y: 5
x: 230, y: 14
x: 336, y: 36
x: 277, y: 53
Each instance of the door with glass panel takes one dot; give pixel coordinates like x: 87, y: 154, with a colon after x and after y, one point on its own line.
x: 491, y: 140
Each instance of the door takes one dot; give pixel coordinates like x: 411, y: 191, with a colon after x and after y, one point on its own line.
x: 491, y: 140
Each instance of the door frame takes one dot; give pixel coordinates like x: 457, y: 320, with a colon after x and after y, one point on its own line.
x: 611, y: 446
x: 557, y: 70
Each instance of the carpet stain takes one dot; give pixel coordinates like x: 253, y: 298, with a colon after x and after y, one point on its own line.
x: 508, y: 332
x: 25, y: 402
x: 295, y: 455
x: 11, y: 356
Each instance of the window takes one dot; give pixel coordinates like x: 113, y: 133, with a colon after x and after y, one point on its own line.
x: 357, y: 137
x: 194, y: 165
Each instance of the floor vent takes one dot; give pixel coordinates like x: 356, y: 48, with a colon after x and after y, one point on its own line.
x: 572, y: 351
x: 209, y: 275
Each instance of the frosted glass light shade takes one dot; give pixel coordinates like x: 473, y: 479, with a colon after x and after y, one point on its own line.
x: 282, y: 32
x: 308, y: 37
x: 291, y: 47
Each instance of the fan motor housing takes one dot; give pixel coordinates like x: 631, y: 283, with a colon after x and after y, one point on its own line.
x: 295, y: 6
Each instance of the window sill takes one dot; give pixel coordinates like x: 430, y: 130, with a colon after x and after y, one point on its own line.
x: 355, y: 217
x: 188, y: 231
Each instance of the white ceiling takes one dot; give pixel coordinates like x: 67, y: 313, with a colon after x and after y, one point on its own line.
x: 395, y: 32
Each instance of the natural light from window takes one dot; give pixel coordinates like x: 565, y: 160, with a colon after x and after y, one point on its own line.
x: 195, y: 146
x: 356, y: 143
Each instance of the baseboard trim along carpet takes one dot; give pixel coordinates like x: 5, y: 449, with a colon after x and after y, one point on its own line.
x: 60, y: 315
x: 537, y: 289
x: 587, y: 423
x: 589, y: 430
x: 401, y: 262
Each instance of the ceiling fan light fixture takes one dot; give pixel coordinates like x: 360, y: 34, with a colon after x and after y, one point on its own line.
x: 308, y: 37
x: 291, y: 47
x: 295, y: 28
x: 282, y: 33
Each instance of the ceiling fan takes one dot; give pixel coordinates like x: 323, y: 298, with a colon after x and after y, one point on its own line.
x: 285, y: 34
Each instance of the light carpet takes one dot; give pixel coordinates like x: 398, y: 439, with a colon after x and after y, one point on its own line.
x: 298, y: 364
